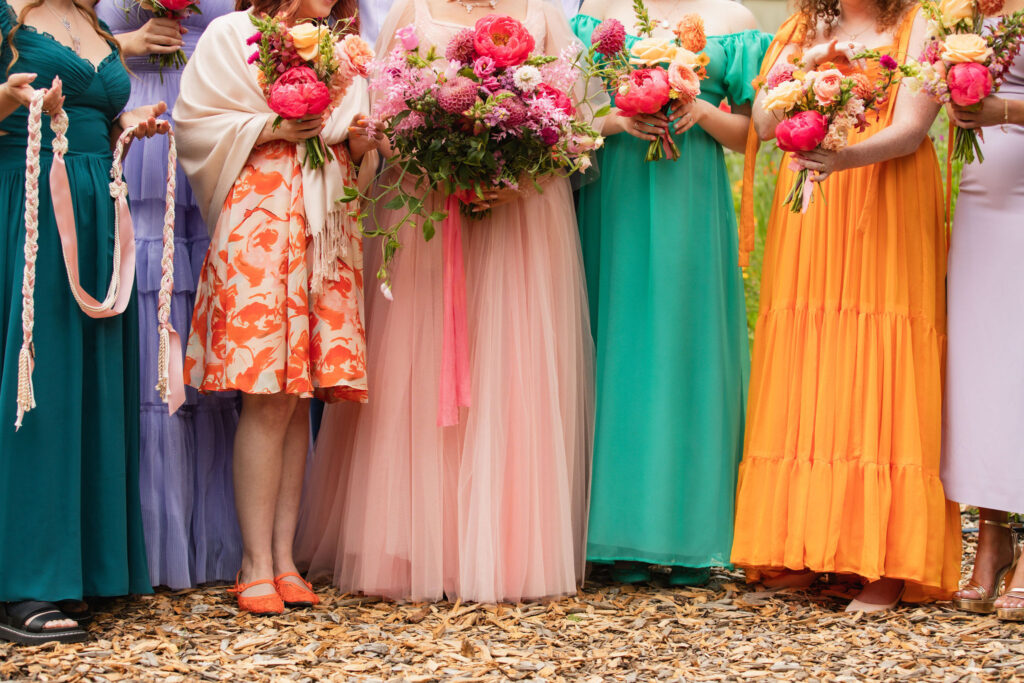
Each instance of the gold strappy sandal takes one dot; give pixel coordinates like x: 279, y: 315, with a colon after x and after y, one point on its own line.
x: 986, y: 604
x: 1012, y: 613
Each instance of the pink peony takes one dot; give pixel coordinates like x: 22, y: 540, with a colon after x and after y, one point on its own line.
x: 557, y: 97
x: 407, y: 36
x: 684, y: 81
x: 609, y: 38
x: 298, y: 93
x: 503, y: 39
x: 802, y: 132
x: 457, y: 95
x: 647, y: 91
x: 780, y: 73
x: 969, y: 83
x: 460, y: 48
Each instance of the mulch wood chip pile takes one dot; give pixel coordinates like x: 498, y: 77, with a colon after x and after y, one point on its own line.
x: 607, y: 633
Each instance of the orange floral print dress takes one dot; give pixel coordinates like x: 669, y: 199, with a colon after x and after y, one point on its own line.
x: 257, y: 326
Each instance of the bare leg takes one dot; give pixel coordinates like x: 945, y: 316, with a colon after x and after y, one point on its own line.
x: 994, y: 552
x: 286, y: 516
x: 259, y: 448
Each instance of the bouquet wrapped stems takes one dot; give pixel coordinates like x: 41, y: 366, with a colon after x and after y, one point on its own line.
x: 665, y: 146
x: 317, y: 153
x: 966, y: 146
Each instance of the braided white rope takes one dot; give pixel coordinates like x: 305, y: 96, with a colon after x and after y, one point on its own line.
x: 163, y: 311
x: 26, y: 357
x: 118, y: 189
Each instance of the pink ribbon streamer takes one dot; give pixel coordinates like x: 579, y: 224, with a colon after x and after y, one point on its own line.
x: 64, y: 212
x: 176, y: 373
x: 455, y: 386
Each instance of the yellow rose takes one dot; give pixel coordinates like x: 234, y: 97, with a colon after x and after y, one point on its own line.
x: 965, y: 47
x: 953, y: 11
x: 686, y: 58
x: 306, y: 38
x: 783, y: 96
x: 652, y: 51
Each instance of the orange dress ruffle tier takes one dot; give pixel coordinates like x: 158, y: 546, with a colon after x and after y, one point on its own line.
x: 258, y: 327
x: 840, y: 471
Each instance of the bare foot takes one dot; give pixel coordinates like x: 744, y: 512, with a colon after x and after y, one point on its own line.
x: 1017, y: 600
x: 256, y: 571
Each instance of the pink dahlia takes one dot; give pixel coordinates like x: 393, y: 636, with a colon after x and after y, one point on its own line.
x: 609, y: 38
x: 515, y: 110
x: 460, y: 47
x: 457, y: 95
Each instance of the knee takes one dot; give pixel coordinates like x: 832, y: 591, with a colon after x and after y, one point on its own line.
x: 273, y: 410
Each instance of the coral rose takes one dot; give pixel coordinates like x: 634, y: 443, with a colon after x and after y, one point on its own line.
x: 827, y: 86
x: 503, y: 39
x: 783, y: 96
x: 969, y: 83
x: 306, y: 39
x: 684, y: 81
x: 358, y: 53
x: 690, y: 32
x: 862, y: 85
x: 646, y: 92
x: 652, y: 52
x: 953, y: 11
x: 298, y: 93
x: 802, y: 132
x: 965, y: 47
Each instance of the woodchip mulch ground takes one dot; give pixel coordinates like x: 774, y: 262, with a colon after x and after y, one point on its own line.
x: 725, y: 631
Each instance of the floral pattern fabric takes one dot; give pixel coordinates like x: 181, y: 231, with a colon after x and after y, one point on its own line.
x: 257, y: 325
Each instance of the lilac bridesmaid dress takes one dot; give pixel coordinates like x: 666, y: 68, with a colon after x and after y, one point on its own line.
x: 984, y: 409
x: 188, y: 508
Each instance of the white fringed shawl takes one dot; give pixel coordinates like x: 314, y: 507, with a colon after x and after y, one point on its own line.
x: 220, y: 113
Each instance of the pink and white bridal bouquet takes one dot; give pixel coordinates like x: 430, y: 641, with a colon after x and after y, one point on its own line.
x: 305, y: 69
x: 173, y: 9
x: 821, y: 107
x: 965, y: 59
x: 489, y: 113
x: 655, y: 72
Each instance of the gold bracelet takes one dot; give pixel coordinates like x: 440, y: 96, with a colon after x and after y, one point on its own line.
x: 1006, y: 111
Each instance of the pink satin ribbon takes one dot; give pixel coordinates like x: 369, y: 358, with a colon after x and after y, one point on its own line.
x: 175, y: 370
x: 808, y: 189
x: 455, y: 386
x: 63, y: 211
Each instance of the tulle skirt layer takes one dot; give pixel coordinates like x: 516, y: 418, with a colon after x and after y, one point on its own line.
x: 492, y: 509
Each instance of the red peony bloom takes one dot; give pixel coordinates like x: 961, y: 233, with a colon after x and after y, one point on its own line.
x: 647, y: 91
x: 802, y: 132
x: 557, y: 97
x: 503, y: 39
x: 969, y: 83
x: 298, y: 93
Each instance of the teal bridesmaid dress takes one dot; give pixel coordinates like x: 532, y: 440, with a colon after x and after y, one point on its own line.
x: 667, y: 310
x: 70, y: 521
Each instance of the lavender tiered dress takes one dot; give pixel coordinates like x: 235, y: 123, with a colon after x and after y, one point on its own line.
x: 982, y: 463
x: 188, y: 510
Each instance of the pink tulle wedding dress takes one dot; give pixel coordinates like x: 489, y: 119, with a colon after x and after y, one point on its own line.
x: 493, y: 509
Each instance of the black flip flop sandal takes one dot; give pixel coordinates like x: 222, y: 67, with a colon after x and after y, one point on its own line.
x: 23, y: 622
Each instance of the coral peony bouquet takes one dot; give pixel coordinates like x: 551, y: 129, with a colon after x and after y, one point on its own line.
x: 488, y: 114
x: 177, y: 10
x: 965, y: 58
x: 305, y: 70
x: 655, y: 72
x: 821, y: 107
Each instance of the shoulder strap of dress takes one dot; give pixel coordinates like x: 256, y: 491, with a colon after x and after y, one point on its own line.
x: 792, y: 30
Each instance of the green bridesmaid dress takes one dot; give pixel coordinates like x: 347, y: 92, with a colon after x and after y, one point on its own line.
x: 667, y: 309
x: 70, y: 521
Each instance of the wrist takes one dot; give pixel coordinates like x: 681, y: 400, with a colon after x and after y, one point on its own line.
x: 1014, y: 112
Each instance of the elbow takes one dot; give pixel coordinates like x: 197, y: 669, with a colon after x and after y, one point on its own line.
x: 765, y: 130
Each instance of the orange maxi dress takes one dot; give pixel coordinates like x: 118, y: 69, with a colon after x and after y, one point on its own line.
x: 840, y: 470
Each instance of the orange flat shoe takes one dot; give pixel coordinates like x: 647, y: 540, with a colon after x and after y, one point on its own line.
x: 260, y: 605
x: 293, y: 594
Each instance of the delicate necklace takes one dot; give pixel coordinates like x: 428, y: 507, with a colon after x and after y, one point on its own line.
x: 76, y: 42
x: 470, y: 5
x: 671, y: 13
x: 855, y: 36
